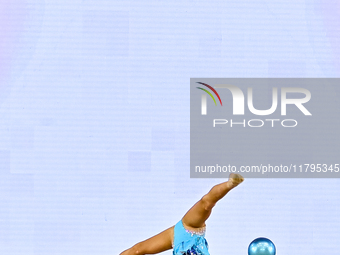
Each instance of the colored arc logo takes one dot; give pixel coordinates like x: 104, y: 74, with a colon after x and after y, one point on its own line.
x: 209, y: 92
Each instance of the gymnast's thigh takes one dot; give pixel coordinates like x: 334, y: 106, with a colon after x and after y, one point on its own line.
x: 158, y: 243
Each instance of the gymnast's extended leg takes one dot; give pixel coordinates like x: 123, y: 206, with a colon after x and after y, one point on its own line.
x: 153, y: 245
x: 194, y: 218
x: 200, y: 212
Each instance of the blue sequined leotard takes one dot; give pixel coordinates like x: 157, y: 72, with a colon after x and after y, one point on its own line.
x: 188, y: 242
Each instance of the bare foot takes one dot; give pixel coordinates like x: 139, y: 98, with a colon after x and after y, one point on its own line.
x: 235, y: 179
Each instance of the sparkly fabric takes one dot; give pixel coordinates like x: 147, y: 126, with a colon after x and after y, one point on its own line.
x: 188, y: 242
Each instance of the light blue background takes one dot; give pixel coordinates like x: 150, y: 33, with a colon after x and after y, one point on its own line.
x: 94, y: 122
